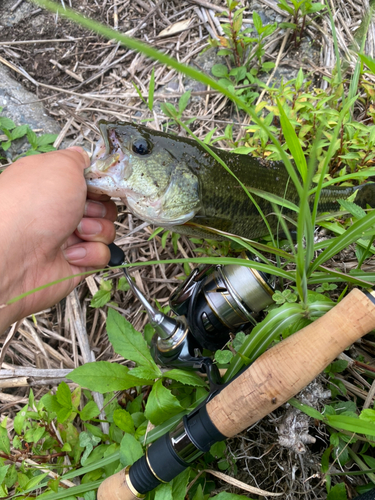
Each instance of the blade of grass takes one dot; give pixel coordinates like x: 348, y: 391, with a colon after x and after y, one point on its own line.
x: 350, y: 236
x: 195, y: 260
x: 151, y: 90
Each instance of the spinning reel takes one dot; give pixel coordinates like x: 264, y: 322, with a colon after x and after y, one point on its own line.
x: 212, y: 302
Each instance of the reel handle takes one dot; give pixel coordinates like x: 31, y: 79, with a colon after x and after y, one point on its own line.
x: 276, y: 376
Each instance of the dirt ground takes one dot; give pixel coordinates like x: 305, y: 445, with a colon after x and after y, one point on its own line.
x: 82, y: 78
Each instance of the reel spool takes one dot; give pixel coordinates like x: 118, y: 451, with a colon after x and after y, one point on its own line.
x: 220, y: 300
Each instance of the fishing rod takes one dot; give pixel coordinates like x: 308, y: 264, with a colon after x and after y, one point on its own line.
x: 273, y: 378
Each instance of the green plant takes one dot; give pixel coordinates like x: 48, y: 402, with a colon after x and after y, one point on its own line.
x: 299, y: 10
x: 242, y: 51
x: 41, y: 144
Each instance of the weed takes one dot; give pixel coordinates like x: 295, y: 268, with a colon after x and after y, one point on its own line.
x: 41, y: 144
x: 299, y: 10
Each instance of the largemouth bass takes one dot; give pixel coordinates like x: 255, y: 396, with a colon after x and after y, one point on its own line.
x: 168, y: 181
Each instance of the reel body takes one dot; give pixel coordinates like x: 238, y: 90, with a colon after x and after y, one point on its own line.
x: 219, y: 300
x: 210, y: 304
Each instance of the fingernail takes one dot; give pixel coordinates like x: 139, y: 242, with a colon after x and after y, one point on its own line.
x: 89, y: 227
x: 75, y: 253
x: 83, y: 153
x: 95, y: 209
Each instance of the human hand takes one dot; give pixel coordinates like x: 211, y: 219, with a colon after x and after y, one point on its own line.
x: 49, y: 230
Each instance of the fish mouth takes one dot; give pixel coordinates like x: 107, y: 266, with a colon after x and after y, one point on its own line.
x: 109, y: 164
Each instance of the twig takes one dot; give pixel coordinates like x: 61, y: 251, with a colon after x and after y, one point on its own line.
x: 8, y: 340
x: 208, y: 5
x: 14, y: 7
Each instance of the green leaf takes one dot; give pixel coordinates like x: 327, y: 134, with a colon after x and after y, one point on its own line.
x: 6, y: 123
x: 89, y: 411
x: 20, y: 419
x: 128, y: 342
x: 63, y: 395
x: 219, y: 70
x: 293, y: 142
x: 32, y: 138
x: 130, y: 450
x: 257, y: 21
x: 351, y: 424
x: 370, y: 63
x: 183, y: 101
x: 46, y: 139
x: 223, y: 357
x: 161, y: 404
x: 299, y: 79
x: 4, y: 441
x: 11, y: 477
x: 199, y: 493
x: 103, y: 377
x: 338, y: 366
x: 35, y: 481
x: 368, y: 415
x: 123, y: 420
x: 6, y: 145
x: 18, y: 132
x: 266, y: 66
x: 50, y: 403
x: 144, y: 372
x: 179, y: 485
x: 3, y: 472
x: 38, y: 434
x: 349, y: 236
x: 217, y: 450
x: 309, y: 410
x: 64, y: 414
x: 151, y: 89
x: 315, y: 7
x: 100, y: 299
x: 188, y: 378
x: 338, y: 492
x: 46, y: 149
x: 352, y: 208
x: 139, y: 93
x: 164, y: 492
x: 123, y: 284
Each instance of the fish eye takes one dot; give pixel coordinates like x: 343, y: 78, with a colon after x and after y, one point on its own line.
x: 141, y: 146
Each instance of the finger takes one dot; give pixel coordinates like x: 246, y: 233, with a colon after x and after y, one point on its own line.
x: 91, y: 255
x: 72, y: 240
x: 98, y: 197
x: 106, y: 209
x: 82, y: 152
x: 75, y: 153
x: 101, y: 230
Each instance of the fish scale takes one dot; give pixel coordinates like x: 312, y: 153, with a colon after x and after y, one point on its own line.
x: 175, y: 182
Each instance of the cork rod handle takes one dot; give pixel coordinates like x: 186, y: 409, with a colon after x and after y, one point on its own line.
x: 287, y: 368
x: 276, y: 376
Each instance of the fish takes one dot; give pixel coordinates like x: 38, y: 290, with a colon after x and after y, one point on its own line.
x: 173, y: 182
